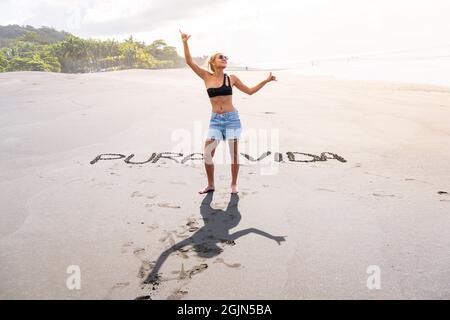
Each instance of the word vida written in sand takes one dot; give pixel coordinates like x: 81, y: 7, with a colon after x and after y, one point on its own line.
x: 180, y: 158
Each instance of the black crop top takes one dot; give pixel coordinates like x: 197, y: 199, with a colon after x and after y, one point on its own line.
x: 221, y: 91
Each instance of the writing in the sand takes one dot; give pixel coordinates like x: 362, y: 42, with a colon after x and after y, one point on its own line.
x: 177, y: 157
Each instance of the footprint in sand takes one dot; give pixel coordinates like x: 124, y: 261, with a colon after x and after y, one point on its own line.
x: 182, y: 236
x: 146, y: 181
x: 244, y: 193
x: 169, y: 205
x: 383, y: 195
x: 177, y: 294
x: 234, y: 265
x: 168, y: 236
x: 191, y: 222
x: 125, y: 246
x: 139, y: 253
x: 189, y: 273
x: 443, y: 193
x: 192, y: 225
x: 136, y: 194
x: 182, y: 252
x: 114, y: 287
x: 152, y: 227
x: 146, y: 265
x: 165, y: 237
x: 182, y: 274
x: 144, y: 269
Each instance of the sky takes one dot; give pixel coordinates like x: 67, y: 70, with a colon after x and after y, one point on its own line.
x: 253, y: 32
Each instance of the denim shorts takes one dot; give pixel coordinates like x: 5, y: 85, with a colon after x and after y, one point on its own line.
x: 225, y: 126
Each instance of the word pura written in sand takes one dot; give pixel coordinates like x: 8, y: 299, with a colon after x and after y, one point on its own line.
x: 180, y: 158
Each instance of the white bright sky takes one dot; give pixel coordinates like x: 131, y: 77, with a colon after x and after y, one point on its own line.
x: 257, y: 32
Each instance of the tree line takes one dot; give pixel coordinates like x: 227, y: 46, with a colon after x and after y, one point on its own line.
x: 30, y: 49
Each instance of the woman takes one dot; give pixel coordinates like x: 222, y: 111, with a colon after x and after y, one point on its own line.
x: 224, y: 123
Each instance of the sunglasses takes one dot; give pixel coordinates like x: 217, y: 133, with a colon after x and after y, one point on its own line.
x: 221, y: 56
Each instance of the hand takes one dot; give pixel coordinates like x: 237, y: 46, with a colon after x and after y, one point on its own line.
x: 184, y: 36
x: 278, y: 239
x: 271, y: 78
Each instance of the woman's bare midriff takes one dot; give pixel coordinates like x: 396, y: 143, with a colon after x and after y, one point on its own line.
x: 222, y: 104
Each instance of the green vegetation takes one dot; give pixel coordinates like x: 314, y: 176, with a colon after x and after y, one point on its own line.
x: 44, y: 35
x: 45, y: 49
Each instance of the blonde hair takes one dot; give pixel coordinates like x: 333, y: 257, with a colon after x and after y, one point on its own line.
x: 211, y: 60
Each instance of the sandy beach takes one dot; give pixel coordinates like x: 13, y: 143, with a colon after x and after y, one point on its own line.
x: 101, y: 171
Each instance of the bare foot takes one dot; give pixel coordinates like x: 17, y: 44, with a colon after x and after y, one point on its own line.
x: 234, y: 188
x: 206, y: 189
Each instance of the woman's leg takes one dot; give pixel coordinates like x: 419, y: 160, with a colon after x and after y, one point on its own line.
x: 234, y: 153
x: 210, y: 149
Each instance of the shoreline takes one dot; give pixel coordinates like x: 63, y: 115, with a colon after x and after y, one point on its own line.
x: 293, y: 71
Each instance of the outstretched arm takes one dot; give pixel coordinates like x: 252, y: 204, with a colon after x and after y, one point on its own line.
x: 241, y: 233
x: 241, y: 86
x: 187, y: 55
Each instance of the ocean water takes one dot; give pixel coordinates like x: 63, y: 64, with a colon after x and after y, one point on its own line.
x: 426, y: 72
x: 427, y: 66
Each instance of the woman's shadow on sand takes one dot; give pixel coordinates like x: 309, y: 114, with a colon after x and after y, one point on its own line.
x: 205, y: 240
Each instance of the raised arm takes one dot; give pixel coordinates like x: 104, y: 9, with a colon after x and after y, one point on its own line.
x: 190, y: 62
x: 241, y: 86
